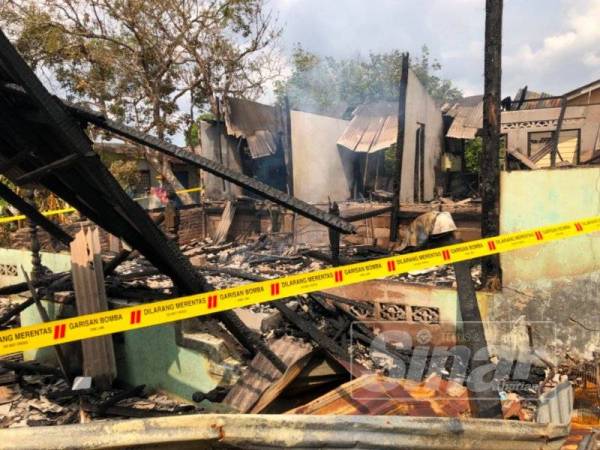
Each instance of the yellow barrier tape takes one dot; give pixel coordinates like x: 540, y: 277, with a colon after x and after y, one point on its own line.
x: 55, y: 212
x: 165, y: 311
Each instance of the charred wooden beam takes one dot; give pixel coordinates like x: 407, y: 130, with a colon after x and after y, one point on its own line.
x: 334, y: 236
x: 30, y: 368
x: 90, y: 187
x: 7, y: 194
x: 397, y: 182
x: 113, y: 400
x: 35, y: 174
x: 556, y: 134
x: 8, y: 315
x: 485, y: 401
x: 213, y: 167
x: 367, y: 214
x: 490, y: 165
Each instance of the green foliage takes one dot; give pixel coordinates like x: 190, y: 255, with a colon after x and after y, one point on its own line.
x: 192, y: 135
x: 123, y: 168
x: 327, y: 85
x: 473, y: 150
x: 135, y: 59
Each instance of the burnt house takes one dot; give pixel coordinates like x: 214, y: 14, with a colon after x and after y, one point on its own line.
x: 247, y: 141
x: 371, y: 136
x: 529, y: 123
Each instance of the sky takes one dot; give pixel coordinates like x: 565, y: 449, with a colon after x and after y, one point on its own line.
x: 549, y: 45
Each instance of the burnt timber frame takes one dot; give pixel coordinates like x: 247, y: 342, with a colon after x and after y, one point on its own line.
x: 39, y: 125
x: 269, y: 193
x: 215, y: 168
x: 397, y: 182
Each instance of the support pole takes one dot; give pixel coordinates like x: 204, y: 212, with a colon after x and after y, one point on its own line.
x: 556, y: 134
x: 490, y: 168
x: 394, y: 218
x: 484, y: 400
x: 334, y: 236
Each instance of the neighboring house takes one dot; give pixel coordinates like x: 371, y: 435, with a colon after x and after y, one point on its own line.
x: 246, y: 141
x: 148, y: 175
x: 372, y: 134
x: 331, y: 159
x: 528, y: 124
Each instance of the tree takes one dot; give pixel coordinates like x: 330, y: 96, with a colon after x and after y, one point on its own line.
x: 136, y: 59
x: 327, y: 85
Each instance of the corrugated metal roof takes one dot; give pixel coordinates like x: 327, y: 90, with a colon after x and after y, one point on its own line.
x: 378, y: 395
x: 536, y: 100
x: 255, y: 122
x: 468, y: 117
x: 374, y: 127
x: 262, y: 377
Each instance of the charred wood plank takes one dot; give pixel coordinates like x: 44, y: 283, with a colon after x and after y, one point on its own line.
x: 113, y: 400
x: 397, y: 182
x: 367, y: 214
x: 8, y: 315
x: 35, y: 174
x: 556, y: 134
x: 30, y: 368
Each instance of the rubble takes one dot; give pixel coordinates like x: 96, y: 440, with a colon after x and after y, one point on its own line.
x: 325, y: 353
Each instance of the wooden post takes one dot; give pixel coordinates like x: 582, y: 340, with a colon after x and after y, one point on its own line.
x: 37, y: 270
x: 90, y: 297
x: 484, y: 400
x: 556, y: 134
x: 490, y: 169
x: 334, y: 236
x: 285, y: 133
x: 394, y: 218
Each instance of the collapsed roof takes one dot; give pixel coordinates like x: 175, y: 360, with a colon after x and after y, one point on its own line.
x: 374, y: 127
x: 255, y: 122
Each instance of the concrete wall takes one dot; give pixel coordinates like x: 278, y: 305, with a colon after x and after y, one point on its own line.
x: 152, y: 357
x: 11, y: 261
x: 558, y: 280
x: 321, y: 169
x: 421, y: 108
x: 518, y: 124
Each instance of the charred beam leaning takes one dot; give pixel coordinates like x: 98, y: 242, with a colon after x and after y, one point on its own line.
x: 397, y: 182
x: 265, y: 191
x: 490, y: 165
x: 556, y: 134
x: 94, y: 191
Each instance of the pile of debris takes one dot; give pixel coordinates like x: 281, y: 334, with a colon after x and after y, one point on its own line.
x: 318, y: 340
x: 36, y: 395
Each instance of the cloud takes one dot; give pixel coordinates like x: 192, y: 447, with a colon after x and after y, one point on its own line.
x: 562, y: 56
